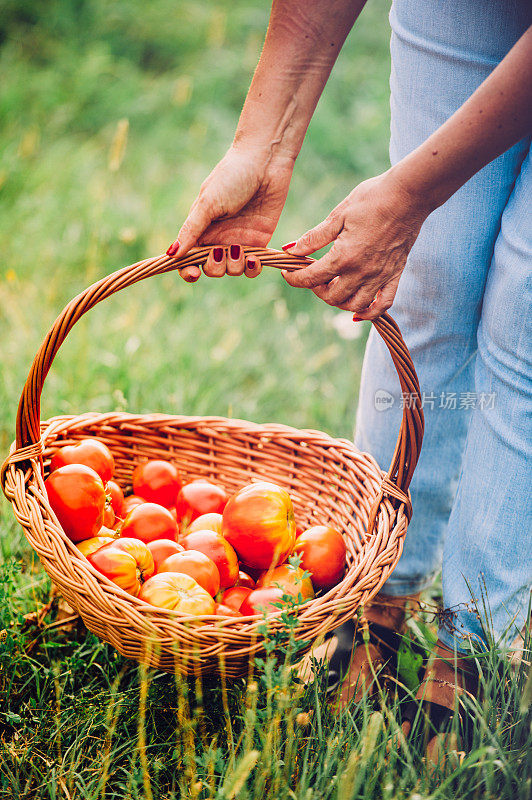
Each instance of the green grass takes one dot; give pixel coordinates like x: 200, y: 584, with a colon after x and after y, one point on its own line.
x: 76, y: 720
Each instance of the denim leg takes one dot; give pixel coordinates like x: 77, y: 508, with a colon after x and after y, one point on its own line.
x: 438, y: 59
x: 488, y: 543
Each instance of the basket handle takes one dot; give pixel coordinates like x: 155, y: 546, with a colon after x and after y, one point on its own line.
x: 28, y: 433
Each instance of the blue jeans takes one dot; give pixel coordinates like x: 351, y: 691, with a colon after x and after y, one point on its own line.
x: 464, y: 306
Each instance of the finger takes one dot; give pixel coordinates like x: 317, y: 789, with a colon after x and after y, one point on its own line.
x: 317, y: 237
x: 190, y: 274
x: 253, y: 267
x: 321, y: 271
x: 337, y: 291
x: 198, y: 219
x: 383, y: 300
x: 215, y: 264
x: 235, y: 261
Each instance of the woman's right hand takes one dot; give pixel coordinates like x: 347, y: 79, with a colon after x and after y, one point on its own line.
x: 239, y: 203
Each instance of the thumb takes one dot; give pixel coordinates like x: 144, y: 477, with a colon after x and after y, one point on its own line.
x: 317, y: 237
x: 199, y: 218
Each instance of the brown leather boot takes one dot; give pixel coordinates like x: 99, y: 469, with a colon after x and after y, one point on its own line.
x: 449, y: 678
x: 353, y: 664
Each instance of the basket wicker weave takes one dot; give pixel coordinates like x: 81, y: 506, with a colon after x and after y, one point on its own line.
x: 329, y: 480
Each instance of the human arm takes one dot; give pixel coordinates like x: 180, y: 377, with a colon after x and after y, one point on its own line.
x: 242, y: 198
x: 374, y: 228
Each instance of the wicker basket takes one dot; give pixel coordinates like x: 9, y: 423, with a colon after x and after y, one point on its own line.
x: 329, y: 480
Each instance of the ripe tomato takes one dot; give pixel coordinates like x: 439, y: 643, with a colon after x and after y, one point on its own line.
x: 235, y: 596
x: 131, y: 502
x: 127, y: 562
x: 116, y: 496
x: 207, y: 522
x: 91, y: 452
x: 219, y: 550
x: 178, y: 592
x: 77, y: 497
x: 109, y: 518
x: 149, y: 521
x: 289, y: 579
x: 225, y: 611
x: 322, y: 550
x: 157, y: 482
x: 259, y: 522
x: 88, y: 546
x: 197, y: 565
x: 245, y: 580
x: 161, y: 549
x: 198, y: 498
x: 261, y: 600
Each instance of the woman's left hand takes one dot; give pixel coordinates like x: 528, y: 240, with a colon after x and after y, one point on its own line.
x: 372, y: 231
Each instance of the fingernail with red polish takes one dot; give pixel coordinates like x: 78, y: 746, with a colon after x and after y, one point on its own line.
x: 357, y: 319
x: 288, y: 246
x: 235, y: 252
x: 251, y: 263
x: 172, y: 250
x: 218, y: 254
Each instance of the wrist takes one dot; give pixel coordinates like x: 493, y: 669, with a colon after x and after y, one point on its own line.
x: 409, y: 195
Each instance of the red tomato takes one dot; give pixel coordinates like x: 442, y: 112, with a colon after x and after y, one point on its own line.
x: 127, y: 562
x: 197, y: 565
x: 225, y: 611
x: 198, y: 498
x: 91, y: 452
x: 245, y: 580
x: 259, y: 522
x: 178, y: 592
x: 131, y: 502
x: 261, y: 600
x: 157, y: 482
x: 235, y: 596
x: 149, y: 521
x: 289, y: 579
x: 116, y: 496
x: 219, y: 550
x: 77, y: 497
x: 207, y: 522
x: 161, y: 549
x: 109, y: 518
x: 88, y: 546
x: 322, y: 550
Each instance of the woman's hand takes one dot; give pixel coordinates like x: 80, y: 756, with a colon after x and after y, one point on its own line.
x: 373, y: 230
x: 239, y: 203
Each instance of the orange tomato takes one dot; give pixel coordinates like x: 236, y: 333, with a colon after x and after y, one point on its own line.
x: 323, y: 551
x: 116, y: 496
x: 235, y: 596
x: 149, y: 521
x: 157, y: 482
x: 88, y: 546
x: 261, y: 600
x: 127, y: 562
x: 77, y: 496
x: 161, y: 549
x: 178, y: 592
x: 259, y: 522
x: 288, y: 578
x: 198, y: 498
x: 225, y: 611
x: 109, y: 518
x: 245, y: 580
x: 219, y: 550
x: 91, y: 452
x: 197, y: 565
x: 207, y: 522
x: 131, y: 502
